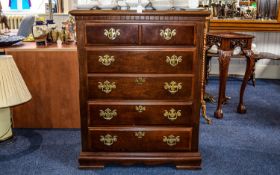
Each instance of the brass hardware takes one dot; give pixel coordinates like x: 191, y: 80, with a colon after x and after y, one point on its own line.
x: 106, y: 60
x: 140, y: 134
x: 174, y: 60
x: 203, y: 103
x: 172, y: 114
x: 140, y: 109
x: 106, y: 87
x: 167, y: 34
x: 108, y: 114
x: 108, y: 139
x: 140, y: 80
x: 112, y: 33
x: 171, y: 140
x: 173, y: 87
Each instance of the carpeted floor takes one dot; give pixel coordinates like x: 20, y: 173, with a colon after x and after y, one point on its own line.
x: 238, y: 145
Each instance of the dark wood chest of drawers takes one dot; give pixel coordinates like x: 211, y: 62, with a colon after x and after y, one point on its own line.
x: 140, y: 86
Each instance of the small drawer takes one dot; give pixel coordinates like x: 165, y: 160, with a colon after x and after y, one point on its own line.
x: 108, y: 34
x: 161, y: 34
x: 140, y: 113
x: 125, y: 139
x: 140, y: 87
x: 144, y: 61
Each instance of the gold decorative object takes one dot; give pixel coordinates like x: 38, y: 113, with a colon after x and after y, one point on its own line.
x: 140, y: 80
x: 112, y: 33
x: 140, y: 109
x: 106, y: 60
x: 203, y: 103
x: 167, y: 34
x: 108, y: 139
x: 108, y: 114
x: 172, y: 87
x: 106, y: 87
x: 171, y: 140
x: 172, y: 114
x: 174, y: 60
x: 140, y: 134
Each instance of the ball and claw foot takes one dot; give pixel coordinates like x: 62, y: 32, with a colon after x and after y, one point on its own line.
x: 219, y: 114
x: 204, y: 115
x: 241, y: 109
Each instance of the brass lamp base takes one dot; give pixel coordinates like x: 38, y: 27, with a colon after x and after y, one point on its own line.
x: 5, y: 124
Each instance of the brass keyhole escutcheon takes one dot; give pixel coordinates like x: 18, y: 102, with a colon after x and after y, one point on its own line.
x: 140, y: 80
x: 140, y: 109
x: 140, y: 134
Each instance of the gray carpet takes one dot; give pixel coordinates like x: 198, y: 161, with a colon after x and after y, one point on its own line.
x: 238, y: 145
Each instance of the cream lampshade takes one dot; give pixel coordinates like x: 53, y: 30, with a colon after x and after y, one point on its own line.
x: 13, y: 91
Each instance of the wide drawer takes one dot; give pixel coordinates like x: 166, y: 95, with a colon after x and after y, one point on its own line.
x: 125, y: 139
x: 140, y: 87
x: 107, y: 34
x: 143, y: 61
x: 162, y: 34
x: 140, y: 113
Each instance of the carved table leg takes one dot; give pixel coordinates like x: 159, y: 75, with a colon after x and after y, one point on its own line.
x: 224, y: 59
x: 249, y: 70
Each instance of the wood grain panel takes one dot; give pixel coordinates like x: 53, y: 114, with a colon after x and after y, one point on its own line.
x: 141, y: 113
x: 184, y: 34
x: 127, y: 141
x: 152, y: 89
x: 95, y: 34
x: 144, y: 61
x: 52, y: 79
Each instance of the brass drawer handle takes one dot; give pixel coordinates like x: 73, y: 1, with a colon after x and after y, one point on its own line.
x: 108, y: 139
x: 106, y: 60
x: 139, y: 134
x: 172, y: 87
x: 140, y: 80
x: 167, y: 33
x: 174, y: 60
x: 106, y: 87
x: 140, y: 109
x: 108, y: 114
x: 112, y: 33
x: 171, y: 140
x: 172, y: 114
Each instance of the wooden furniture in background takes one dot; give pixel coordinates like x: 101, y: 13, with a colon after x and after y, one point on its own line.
x: 245, y: 25
x: 140, y: 86
x: 226, y: 43
x: 51, y: 74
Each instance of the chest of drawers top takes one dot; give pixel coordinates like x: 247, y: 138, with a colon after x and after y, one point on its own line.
x: 151, y: 28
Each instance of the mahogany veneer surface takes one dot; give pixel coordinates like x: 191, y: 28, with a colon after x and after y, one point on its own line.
x: 140, y: 86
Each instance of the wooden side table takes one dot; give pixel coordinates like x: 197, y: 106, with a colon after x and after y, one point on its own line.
x: 226, y: 42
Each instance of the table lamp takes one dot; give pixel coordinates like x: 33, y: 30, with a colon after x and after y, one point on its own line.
x: 13, y: 91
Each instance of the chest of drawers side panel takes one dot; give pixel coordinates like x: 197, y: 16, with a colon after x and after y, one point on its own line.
x: 198, y: 83
x: 83, y: 89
